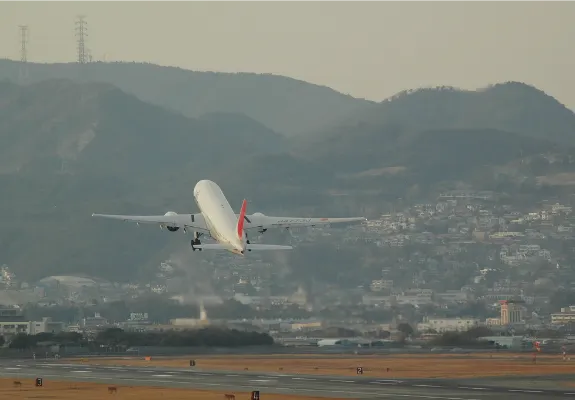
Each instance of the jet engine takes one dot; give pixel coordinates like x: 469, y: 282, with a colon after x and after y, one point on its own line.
x: 259, y: 214
x: 171, y: 228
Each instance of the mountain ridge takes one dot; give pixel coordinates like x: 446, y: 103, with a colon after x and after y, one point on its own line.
x: 69, y: 149
x: 286, y: 105
x: 137, y: 158
x: 445, y: 107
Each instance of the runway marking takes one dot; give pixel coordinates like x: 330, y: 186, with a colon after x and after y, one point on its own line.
x: 305, y: 379
x: 526, y: 391
x: 163, y: 376
x: 472, y: 388
x: 380, y: 394
x: 385, y: 383
x: 232, y: 375
x: 12, y: 368
x: 355, y: 392
x: 206, y: 374
x: 339, y: 380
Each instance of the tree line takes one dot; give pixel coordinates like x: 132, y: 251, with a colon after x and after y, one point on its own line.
x: 467, y: 338
x: 207, y: 337
x: 116, y: 337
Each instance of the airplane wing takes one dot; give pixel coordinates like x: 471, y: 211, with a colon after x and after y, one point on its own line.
x: 170, y: 219
x: 261, y: 221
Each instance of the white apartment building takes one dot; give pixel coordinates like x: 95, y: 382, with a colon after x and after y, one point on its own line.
x: 15, y: 326
x: 566, y: 316
x: 448, y: 324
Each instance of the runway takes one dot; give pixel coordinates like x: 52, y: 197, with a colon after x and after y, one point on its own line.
x: 360, y: 387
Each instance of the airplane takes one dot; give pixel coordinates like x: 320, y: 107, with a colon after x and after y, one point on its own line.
x: 218, y: 220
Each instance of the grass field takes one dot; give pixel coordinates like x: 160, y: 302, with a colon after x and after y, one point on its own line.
x: 96, y: 391
x: 400, y: 366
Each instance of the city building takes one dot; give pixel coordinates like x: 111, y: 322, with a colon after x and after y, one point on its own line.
x: 447, y: 324
x: 566, y: 316
x: 512, y: 312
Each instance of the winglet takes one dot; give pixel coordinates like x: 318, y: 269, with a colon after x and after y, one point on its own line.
x: 241, y: 219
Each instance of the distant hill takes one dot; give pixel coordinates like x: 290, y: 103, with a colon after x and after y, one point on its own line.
x: 511, y: 116
x: 249, y: 131
x: 68, y: 150
x: 509, y: 107
x: 286, y: 105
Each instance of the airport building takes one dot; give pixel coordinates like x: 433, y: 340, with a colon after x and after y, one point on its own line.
x: 13, y: 322
x: 509, y: 342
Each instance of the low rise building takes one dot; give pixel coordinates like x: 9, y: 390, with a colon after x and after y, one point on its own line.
x: 448, y: 324
x: 566, y: 316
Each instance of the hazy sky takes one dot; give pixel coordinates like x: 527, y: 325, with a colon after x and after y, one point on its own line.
x: 370, y: 49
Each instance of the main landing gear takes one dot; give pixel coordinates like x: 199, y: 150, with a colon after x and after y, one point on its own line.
x: 196, y: 241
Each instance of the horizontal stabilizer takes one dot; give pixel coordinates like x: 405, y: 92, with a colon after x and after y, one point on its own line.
x: 253, y: 247
x: 257, y: 247
x: 212, y: 246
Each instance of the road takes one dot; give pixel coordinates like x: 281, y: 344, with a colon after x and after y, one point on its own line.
x: 360, y: 387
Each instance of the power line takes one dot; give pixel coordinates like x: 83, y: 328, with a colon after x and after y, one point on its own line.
x: 81, y: 34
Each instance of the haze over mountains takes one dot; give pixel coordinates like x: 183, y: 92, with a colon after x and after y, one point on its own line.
x: 284, y: 104
x: 129, y: 138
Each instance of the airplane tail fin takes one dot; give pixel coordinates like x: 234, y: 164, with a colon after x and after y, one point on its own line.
x: 241, y: 219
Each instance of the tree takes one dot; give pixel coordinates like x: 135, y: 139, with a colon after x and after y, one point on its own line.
x: 116, y: 311
x: 405, y: 328
x: 21, y: 341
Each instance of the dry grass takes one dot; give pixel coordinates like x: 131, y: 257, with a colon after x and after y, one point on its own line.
x: 559, y: 179
x: 401, y: 366
x: 97, y: 391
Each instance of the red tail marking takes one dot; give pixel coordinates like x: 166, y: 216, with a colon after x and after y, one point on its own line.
x: 241, y: 219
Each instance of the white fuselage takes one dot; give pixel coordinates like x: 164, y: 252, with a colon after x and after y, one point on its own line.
x: 219, y: 215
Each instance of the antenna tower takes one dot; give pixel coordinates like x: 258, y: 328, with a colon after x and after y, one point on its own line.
x: 23, y: 42
x: 81, y: 34
x: 23, y: 70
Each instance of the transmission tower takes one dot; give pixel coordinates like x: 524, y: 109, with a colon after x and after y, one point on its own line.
x: 23, y: 42
x: 23, y: 70
x: 81, y: 34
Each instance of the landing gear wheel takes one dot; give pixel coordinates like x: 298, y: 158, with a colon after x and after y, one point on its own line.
x: 195, y: 242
